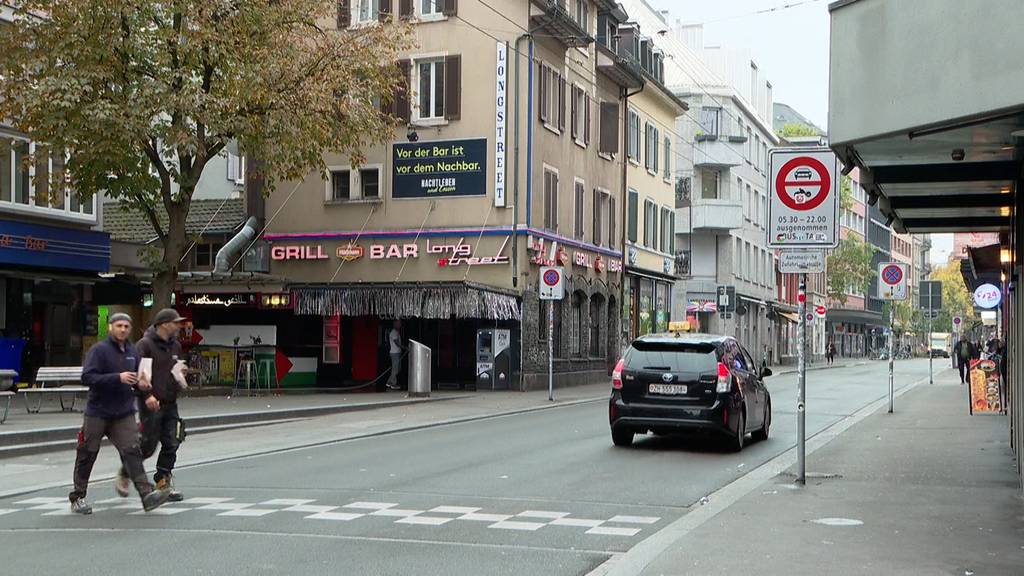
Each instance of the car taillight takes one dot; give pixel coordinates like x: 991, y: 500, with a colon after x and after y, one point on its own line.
x: 617, y: 375
x: 724, y: 379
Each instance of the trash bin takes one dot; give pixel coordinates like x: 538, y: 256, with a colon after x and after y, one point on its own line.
x: 419, y: 369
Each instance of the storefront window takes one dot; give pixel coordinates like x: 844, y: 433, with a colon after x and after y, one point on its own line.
x: 646, y: 308
x: 577, y: 334
x: 595, y: 325
x: 661, y: 310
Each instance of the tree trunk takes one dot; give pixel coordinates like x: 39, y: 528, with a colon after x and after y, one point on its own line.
x: 165, y: 280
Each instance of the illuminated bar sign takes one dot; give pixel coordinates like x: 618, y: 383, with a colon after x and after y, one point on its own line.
x: 440, y: 169
x: 51, y: 247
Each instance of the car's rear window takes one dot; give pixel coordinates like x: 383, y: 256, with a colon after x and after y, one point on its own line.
x: 671, y: 357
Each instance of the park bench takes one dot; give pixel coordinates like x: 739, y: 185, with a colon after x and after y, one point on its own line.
x: 54, y: 380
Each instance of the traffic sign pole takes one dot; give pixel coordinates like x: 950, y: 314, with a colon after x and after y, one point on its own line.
x: 892, y: 340
x: 931, y: 380
x: 551, y: 351
x: 801, y: 417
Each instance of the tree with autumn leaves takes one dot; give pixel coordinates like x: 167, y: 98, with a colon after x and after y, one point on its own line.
x: 142, y: 95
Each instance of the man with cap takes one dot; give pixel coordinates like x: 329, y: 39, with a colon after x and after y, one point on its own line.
x: 110, y: 372
x: 158, y: 403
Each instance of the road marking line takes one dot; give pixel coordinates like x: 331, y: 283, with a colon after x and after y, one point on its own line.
x: 454, y: 510
x: 343, y: 516
x: 478, y: 517
x: 425, y: 520
x: 45, y: 500
x: 396, y: 512
x: 635, y: 520
x: 286, y: 502
x: 225, y: 506
x: 611, y: 531
x: 577, y: 522
x: 8, y: 511
x: 310, y: 509
x: 68, y: 512
x: 54, y: 506
x: 371, y: 505
x: 508, y: 525
x: 542, y: 514
x: 162, y: 511
x: 112, y: 500
x: 248, y: 512
x: 207, y: 500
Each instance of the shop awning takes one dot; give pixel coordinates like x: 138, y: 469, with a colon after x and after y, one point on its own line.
x: 434, y: 302
x: 794, y: 318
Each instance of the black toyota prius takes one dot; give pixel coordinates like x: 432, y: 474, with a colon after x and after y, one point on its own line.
x: 686, y: 382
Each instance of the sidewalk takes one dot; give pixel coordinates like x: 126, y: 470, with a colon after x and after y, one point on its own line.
x: 781, y: 370
x: 926, y: 490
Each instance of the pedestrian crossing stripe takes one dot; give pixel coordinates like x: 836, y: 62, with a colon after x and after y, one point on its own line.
x: 526, y: 521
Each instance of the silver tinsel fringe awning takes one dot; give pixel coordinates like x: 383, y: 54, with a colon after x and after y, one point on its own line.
x: 431, y: 302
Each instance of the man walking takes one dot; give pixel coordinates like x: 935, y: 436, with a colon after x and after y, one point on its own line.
x: 110, y: 373
x: 395, y: 342
x: 158, y: 403
x: 963, y: 353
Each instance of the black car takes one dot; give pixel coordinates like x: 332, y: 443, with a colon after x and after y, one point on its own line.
x: 689, y: 382
x: 939, y: 353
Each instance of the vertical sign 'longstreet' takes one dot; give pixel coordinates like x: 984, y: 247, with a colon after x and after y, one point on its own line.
x: 500, y: 107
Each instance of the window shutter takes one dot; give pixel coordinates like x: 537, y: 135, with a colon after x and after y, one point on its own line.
x: 609, y: 143
x: 405, y: 9
x: 384, y: 10
x: 612, y: 240
x: 402, y: 94
x: 596, y: 220
x: 451, y: 7
x: 453, y: 87
x: 545, y: 92
x: 586, y: 120
x: 561, y: 102
x: 344, y: 15
x: 575, y: 111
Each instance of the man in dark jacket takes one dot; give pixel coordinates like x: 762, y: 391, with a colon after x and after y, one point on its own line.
x: 158, y: 404
x: 110, y: 373
x: 964, y: 352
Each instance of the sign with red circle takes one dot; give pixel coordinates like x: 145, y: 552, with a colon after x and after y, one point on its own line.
x: 820, y: 311
x: 552, y: 283
x: 892, y: 274
x: 803, y: 183
x: 552, y: 277
x: 803, y: 193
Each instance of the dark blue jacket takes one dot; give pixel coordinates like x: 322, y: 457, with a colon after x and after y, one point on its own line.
x: 108, y: 396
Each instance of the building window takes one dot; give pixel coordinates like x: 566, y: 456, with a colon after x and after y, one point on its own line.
x: 600, y: 211
x: 757, y: 149
x: 550, y: 200
x: 582, y: 14
x: 577, y: 334
x: 369, y: 180
x: 21, y: 175
x: 431, y: 89
x: 737, y: 258
x: 341, y: 185
x: 668, y: 230
x: 612, y: 222
x: 650, y: 224
x: 206, y: 253
x: 709, y: 118
x: 366, y: 11
x: 709, y: 184
x: 751, y: 203
x: 668, y: 159
x: 634, y: 136
x: 596, y: 304
x: 542, y: 320
x: 750, y: 144
x: 236, y: 168
x: 631, y: 224
x: 557, y: 344
x: 578, y: 209
x: 552, y: 98
x: 430, y: 7
x: 580, y: 115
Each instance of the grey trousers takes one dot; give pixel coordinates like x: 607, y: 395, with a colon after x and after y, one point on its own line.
x: 124, y: 435
x: 396, y: 366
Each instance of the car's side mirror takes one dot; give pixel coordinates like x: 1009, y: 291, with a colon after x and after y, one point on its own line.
x: 766, y: 372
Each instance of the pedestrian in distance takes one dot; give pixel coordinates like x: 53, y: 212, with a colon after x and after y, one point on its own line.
x: 158, y: 402
x: 964, y: 353
x: 110, y: 372
x: 395, y: 349
x: 830, y: 352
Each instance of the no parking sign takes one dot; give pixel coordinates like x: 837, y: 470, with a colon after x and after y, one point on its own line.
x: 892, y: 281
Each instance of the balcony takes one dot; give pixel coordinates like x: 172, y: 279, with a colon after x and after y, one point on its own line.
x: 552, y: 17
x: 706, y: 215
x: 717, y: 151
x: 619, y: 67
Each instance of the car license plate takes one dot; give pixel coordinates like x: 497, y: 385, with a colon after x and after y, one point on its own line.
x: 666, y: 389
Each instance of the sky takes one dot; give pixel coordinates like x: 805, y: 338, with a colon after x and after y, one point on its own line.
x: 791, y: 45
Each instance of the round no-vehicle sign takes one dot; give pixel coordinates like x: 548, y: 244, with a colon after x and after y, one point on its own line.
x: 803, y: 211
x: 552, y: 277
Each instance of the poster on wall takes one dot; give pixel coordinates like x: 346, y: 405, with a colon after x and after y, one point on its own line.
x: 985, y: 394
x: 440, y: 169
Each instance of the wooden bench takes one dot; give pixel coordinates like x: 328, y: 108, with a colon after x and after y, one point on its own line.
x: 53, y: 380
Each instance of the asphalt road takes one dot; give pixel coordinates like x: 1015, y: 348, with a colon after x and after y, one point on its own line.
x: 536, y: 493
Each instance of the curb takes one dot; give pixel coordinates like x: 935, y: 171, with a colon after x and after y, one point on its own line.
x: 398, y: 430
x: 832, y: 367
x: 41, y: 440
